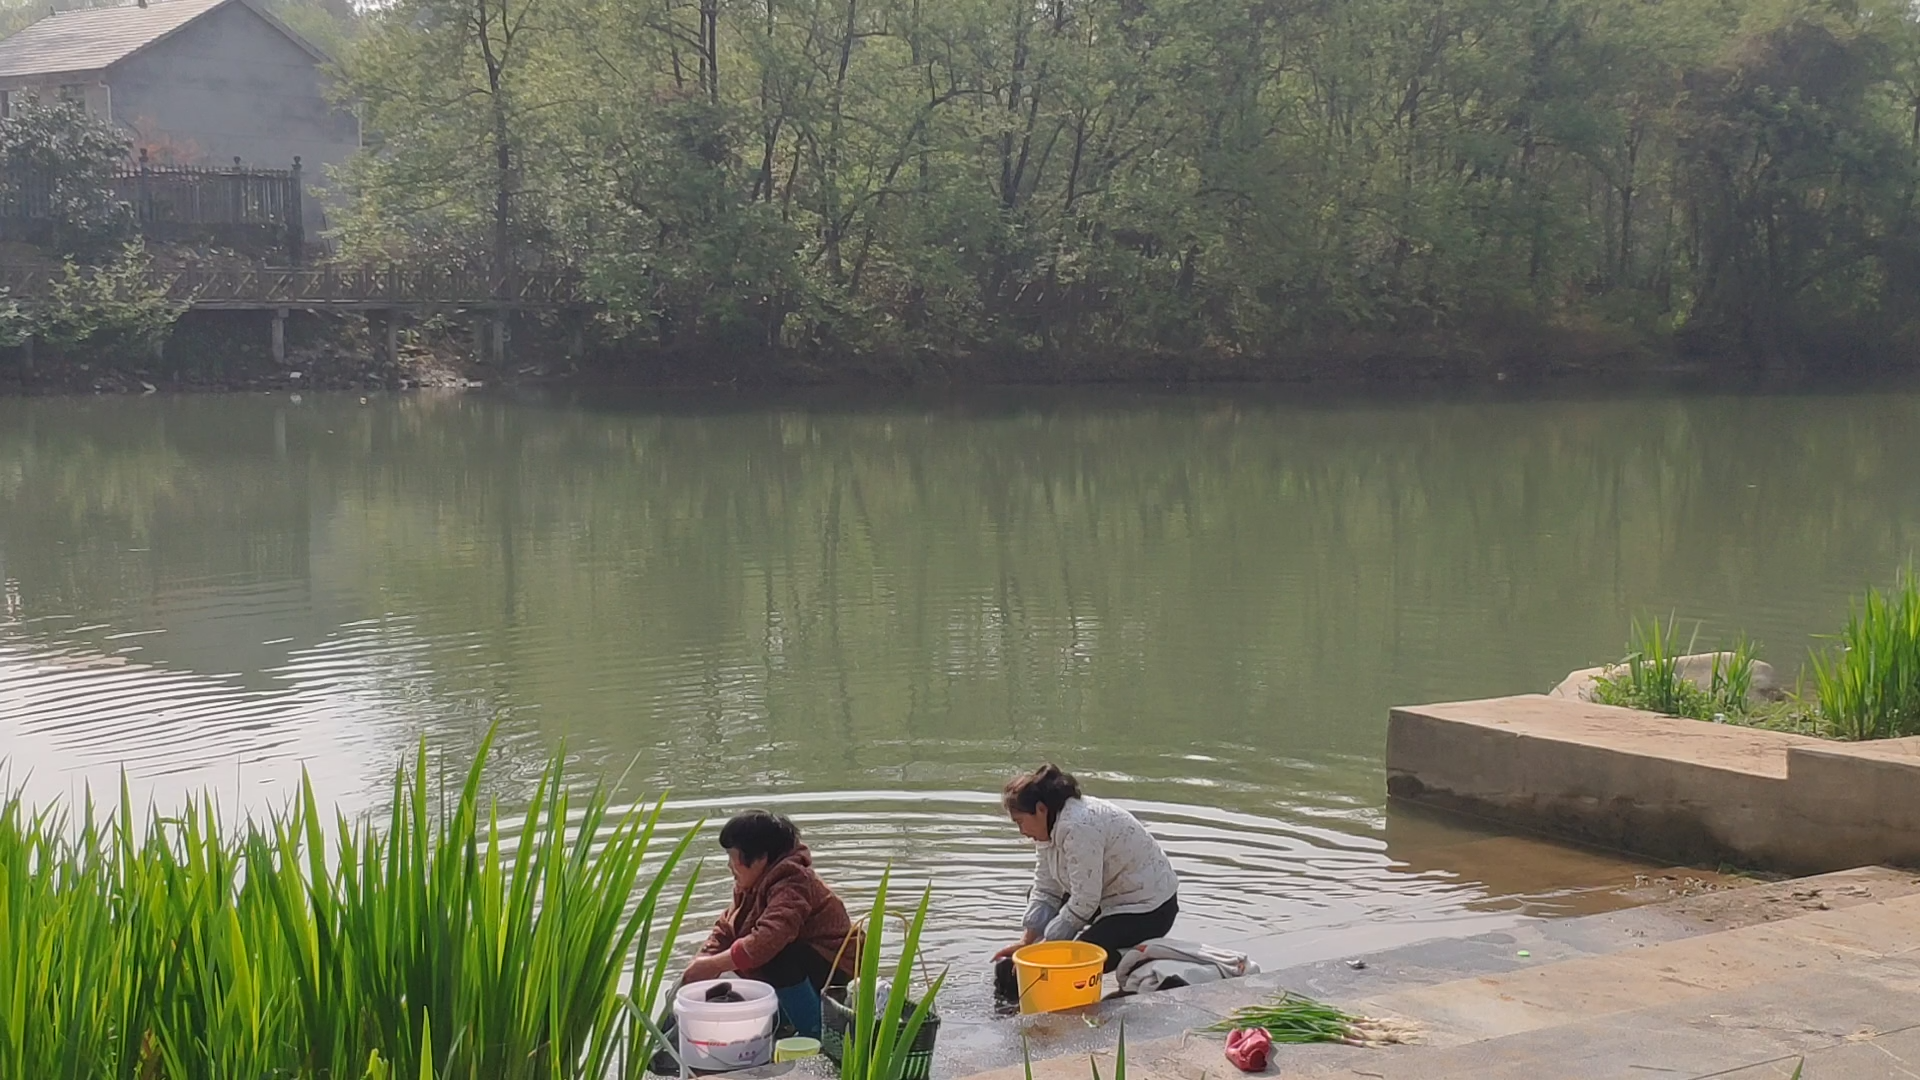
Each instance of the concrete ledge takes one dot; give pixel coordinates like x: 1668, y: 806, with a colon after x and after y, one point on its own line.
x: 1660, y: 786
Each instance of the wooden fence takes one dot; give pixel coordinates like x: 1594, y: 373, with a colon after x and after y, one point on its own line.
x: 252, y: 210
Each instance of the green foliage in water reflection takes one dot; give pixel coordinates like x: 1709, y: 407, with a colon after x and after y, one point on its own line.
x: 833, y: 588
x: 435, y: 946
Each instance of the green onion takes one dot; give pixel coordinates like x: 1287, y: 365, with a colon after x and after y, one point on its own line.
x: 1293, y: 1018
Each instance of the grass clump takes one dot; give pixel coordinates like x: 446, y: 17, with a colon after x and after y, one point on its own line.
x: 1869, y: 684
x: 1650, y: 677
x: 169, y: 948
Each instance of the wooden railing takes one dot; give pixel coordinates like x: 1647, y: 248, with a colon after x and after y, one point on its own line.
x: 335, y: 286
x: 200, y: 195
x: 254, y: 210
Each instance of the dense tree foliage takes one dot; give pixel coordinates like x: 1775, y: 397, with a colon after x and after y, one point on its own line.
x: 1142, y: 176
x: 1088, y: 178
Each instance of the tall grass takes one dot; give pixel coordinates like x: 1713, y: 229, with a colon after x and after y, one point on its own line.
x: 433, y: 946
x: 1649, y: 678
x: 878, y: 1041
x: 1869, y: 684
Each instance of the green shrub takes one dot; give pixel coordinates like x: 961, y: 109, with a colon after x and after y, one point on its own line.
x: 119, y: 311
x: 57, y: 159
x: 1649, y: 678
x: 1869, y: 683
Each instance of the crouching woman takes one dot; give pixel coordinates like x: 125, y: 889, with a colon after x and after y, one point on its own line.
x: 785, y: 925
x: 1099, y: 877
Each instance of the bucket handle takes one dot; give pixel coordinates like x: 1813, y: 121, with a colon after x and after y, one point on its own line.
x: 859, y: 926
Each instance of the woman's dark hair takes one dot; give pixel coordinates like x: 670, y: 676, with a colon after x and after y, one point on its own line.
x: 758, y: 835
x: 1045, y: 786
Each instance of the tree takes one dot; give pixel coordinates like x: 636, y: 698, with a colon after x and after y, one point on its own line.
x: 1076, y: 181
x: 447, y: 95
x: 1792, y: 184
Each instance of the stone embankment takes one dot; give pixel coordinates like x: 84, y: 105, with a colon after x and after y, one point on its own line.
x: 1666, y: 788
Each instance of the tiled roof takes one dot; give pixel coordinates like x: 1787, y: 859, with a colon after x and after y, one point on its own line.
x: 94, y: 38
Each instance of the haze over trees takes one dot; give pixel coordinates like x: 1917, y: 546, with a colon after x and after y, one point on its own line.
x: 1252, y: 179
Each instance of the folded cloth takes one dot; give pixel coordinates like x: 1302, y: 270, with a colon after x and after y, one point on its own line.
x: 1164, y: 963
x: 1249, y: 1049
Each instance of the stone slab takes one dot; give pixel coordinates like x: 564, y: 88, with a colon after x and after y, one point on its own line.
x: 1659, y: 786
x: 1895, y: 1056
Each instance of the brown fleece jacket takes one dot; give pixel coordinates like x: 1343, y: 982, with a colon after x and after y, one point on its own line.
x: 788, y: 903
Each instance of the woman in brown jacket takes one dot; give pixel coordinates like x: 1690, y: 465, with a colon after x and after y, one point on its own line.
x: 785, y: 925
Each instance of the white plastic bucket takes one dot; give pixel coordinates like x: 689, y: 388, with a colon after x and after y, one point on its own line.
x: 719, y: 1036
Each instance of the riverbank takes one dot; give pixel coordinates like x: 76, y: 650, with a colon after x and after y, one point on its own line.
x: 218, y: 351
x: 1746, y: 983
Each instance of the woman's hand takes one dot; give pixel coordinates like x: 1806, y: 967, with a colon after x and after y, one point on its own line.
x: 708, y: 967
x: 1029, y: 938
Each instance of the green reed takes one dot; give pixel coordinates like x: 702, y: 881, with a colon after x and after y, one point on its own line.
x: 430, y: 945
x: 882, y: 1031
x: 1650, y: 679
x: 1869, y: 683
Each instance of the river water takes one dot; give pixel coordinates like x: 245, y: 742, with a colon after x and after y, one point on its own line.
x: 868, y: 613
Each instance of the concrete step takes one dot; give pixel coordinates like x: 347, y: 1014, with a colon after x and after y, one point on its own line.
x: 1731, y: 984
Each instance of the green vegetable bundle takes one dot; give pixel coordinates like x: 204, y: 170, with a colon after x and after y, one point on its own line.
x: 1297, y: 1019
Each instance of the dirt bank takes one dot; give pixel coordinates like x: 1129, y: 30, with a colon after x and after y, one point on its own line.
x: 228, y: 351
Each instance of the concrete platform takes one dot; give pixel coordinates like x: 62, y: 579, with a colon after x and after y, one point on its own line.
x: 1662, y: 787
x: 1743, y: 983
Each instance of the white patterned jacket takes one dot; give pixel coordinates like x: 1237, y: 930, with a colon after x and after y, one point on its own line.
x: 1100, y: 861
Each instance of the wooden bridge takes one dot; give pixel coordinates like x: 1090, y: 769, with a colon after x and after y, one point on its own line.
x: 337, y: 288
x: 398, y: 292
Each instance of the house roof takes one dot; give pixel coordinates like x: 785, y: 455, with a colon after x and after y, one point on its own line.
x: 92, y: 39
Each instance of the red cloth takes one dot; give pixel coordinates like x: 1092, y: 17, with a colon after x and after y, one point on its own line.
x: 788, y: 903
x: 1250, y: 1049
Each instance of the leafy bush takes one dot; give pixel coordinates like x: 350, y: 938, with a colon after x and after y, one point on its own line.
x: 116, y: 311
x: 58, y: 160
x: 434, y: 946
x: 1649, y: 678
x: 1869, y: 687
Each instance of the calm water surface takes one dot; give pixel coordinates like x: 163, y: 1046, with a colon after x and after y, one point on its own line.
x: 868, y: 614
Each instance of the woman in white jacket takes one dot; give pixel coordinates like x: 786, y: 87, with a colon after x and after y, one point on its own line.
x: 1099, y: 877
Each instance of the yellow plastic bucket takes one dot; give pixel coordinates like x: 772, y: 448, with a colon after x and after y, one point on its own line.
x: 1056, y: 975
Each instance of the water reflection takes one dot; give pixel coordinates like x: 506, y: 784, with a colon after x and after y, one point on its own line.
x: 870, y: 614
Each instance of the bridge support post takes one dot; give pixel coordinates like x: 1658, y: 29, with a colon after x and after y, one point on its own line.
x: 497, y: 353
x: 393, y: 337
x: 479, y: 337
x: 279, y: 335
